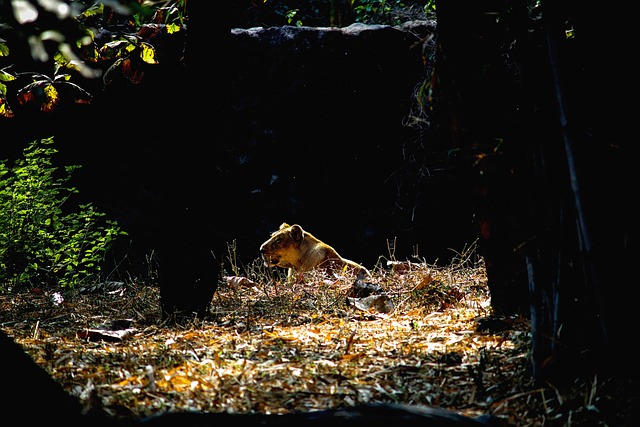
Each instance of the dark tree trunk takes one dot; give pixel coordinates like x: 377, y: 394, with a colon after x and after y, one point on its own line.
x: 482, y: 92
x: 189, y: 243
x: 551, y: 170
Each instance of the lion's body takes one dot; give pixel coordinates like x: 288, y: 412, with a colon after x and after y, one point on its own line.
x: 293, y: 248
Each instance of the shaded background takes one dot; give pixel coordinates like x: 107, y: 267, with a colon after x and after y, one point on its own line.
x: 311, y: 128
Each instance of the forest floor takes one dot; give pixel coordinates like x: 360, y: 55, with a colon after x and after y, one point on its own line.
x: 424, y: 336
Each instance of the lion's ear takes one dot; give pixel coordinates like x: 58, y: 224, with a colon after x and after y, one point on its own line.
x: 296, y: 233
x: 284, y: 225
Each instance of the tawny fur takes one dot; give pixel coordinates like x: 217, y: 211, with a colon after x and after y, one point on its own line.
x: 298, y: 250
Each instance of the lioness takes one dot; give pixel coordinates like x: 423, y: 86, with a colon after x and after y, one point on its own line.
x: 298, y: 250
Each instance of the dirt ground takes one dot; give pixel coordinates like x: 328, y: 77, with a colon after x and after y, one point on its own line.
x: 415, y: 334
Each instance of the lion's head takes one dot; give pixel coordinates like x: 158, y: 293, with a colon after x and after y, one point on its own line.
x: 283, y: 247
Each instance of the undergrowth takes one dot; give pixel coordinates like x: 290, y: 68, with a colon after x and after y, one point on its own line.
x: 43, y: 240
x: 254, y: 292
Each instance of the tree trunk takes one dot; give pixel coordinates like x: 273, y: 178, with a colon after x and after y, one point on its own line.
x: 544, y: 160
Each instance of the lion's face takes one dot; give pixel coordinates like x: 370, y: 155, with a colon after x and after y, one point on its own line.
x: 283, y: 247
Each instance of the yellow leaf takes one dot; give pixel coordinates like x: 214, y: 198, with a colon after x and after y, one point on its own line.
x: 148, y: 54
x: 173, y: 28
x: 52, y: 98
x: 348, y: 357
x: 5, y: 111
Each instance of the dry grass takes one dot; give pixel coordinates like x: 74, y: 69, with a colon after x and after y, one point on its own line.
x: 273, y: 347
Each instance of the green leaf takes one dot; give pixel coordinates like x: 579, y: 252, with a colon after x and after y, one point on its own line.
x: 6, y: 77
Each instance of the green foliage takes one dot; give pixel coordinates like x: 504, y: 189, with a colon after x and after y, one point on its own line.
x: 39, y: 243
x: 392, y: 12
x: 78, y: 39
x: 345, y: 12
x: 292, y: 17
